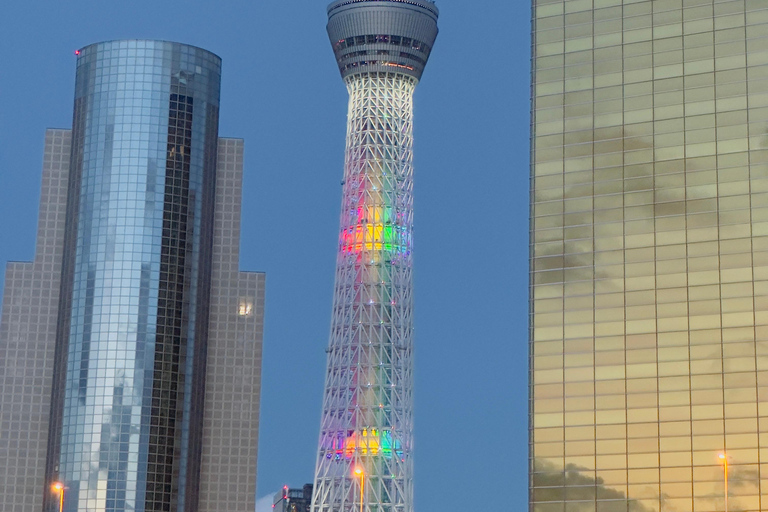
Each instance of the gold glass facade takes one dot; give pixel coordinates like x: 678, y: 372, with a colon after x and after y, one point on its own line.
x: 649, y: 247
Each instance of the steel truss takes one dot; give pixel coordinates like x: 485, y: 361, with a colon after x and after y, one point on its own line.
x: 365, y: 459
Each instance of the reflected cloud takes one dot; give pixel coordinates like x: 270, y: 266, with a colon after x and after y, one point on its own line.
x: 552, y: 486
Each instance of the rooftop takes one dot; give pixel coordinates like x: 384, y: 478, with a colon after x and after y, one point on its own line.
x: 424, y: 4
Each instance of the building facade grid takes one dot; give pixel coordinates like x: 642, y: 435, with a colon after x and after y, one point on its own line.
x: 233, y: 361
x: 649, y: 256
x: 27, y: 334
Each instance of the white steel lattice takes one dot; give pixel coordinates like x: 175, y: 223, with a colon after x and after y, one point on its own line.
x: 366, y: 440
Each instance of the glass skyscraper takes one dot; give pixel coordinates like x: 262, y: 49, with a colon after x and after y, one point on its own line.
x: 145, y: 331
x: 649, y: 256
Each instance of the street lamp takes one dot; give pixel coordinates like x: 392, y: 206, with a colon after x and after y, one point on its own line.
x: 59, y: 487
x: 359, y: 471
x: 723, y: 457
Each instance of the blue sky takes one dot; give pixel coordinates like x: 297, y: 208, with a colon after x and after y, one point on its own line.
x: 282, y: 93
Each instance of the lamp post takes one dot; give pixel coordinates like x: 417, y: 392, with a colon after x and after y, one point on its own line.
x: 359, y: 471
x: 59, y: 487
x: 723, y: 457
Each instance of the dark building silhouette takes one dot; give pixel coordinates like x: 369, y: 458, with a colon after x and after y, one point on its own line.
x: 293, y: 500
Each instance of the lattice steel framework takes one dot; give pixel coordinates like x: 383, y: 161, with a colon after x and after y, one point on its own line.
x: 365, y: 455
x: 366, y: 440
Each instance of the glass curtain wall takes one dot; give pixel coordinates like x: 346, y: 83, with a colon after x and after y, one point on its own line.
x: 135, y: 280
x: 649, y: 256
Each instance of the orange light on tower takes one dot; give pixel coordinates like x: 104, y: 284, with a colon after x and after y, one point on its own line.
x: 59, y: 487
x: 724, y: 458
x: 359, y: 472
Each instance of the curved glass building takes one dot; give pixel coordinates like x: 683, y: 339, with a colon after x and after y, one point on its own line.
x: 144, y: 143
x: 365, y: 455
x: 127, y: 420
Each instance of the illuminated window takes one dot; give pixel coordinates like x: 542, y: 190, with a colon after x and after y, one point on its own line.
x: 245, y: 308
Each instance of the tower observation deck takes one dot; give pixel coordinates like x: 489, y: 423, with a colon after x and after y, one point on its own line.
x: 365, y: 454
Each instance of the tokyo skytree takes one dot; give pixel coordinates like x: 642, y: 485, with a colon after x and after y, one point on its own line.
x: 365, y: 455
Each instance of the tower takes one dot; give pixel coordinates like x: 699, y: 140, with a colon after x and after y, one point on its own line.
x: 649, y: 276
x: 365, y: 455
x: 133, y: 342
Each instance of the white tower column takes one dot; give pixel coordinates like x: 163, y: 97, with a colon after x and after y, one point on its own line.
x: 365, y: 454
x: 367, y: 424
